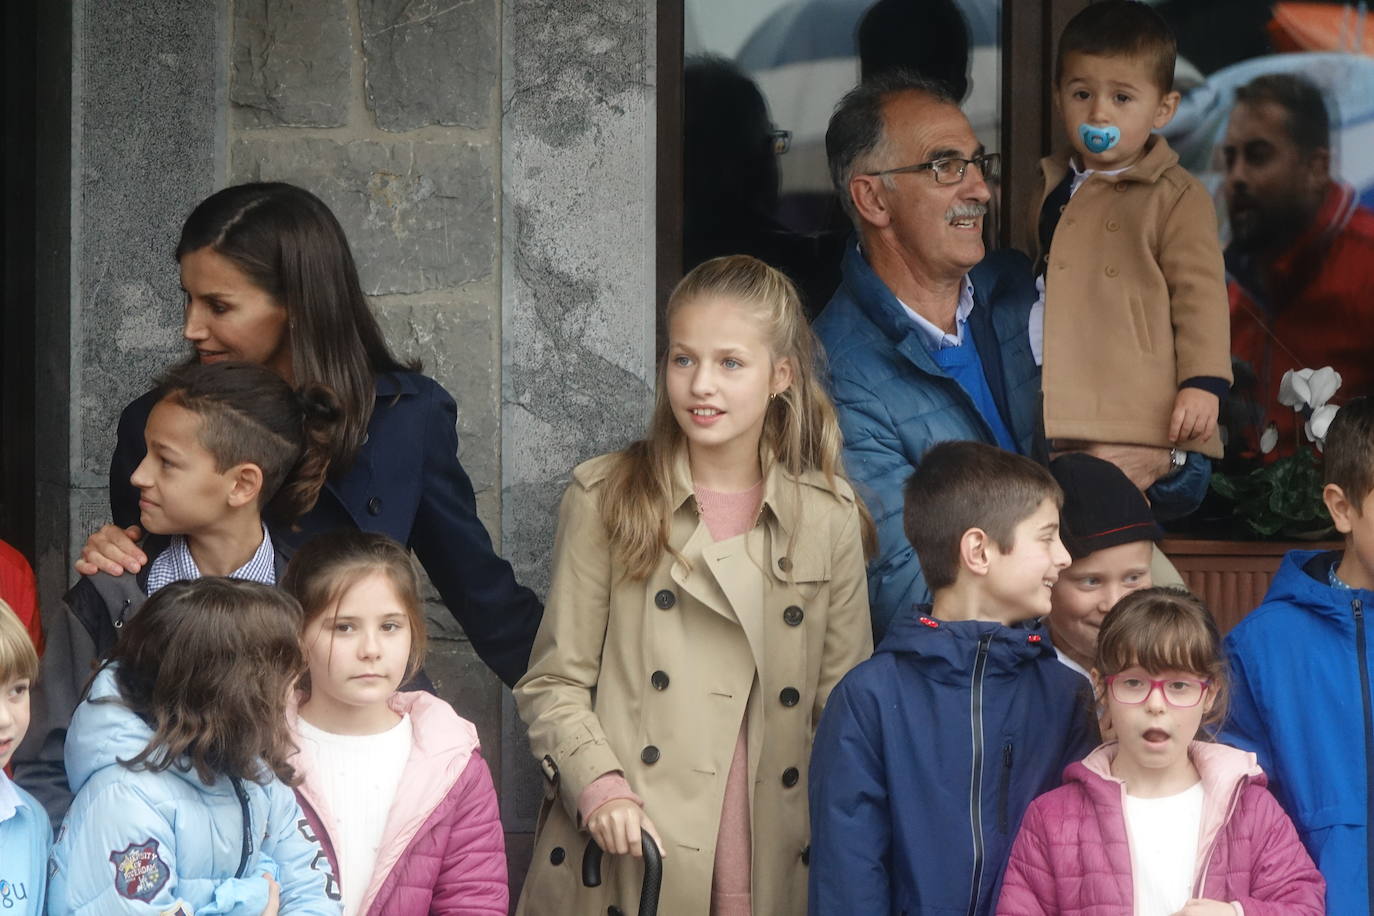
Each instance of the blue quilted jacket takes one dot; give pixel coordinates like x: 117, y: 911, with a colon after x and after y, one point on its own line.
x: 159, y: 843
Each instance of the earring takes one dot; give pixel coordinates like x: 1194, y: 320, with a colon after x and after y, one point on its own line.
x: 772, y: 397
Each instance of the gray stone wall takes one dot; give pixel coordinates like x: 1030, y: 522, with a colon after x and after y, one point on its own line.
x: 389, y: 111
x: 578, y: 270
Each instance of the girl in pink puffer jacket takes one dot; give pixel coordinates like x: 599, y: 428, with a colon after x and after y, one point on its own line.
x: 392, y: 783
x: 1157, y: 823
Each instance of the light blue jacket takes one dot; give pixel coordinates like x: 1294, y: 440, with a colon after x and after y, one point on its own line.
x: 24, y: 841
x: 141, y: 842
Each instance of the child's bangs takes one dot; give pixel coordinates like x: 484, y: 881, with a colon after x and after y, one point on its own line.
x: 1163, y: 640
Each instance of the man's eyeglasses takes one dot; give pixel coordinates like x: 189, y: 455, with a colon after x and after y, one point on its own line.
x: 950, y: 169
x: 1178, y: 692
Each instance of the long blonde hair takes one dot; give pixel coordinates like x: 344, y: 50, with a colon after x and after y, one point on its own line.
x: 800, y: 430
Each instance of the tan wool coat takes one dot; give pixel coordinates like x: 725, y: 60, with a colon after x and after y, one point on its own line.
x: 652, y: 677
x: 1135, y: 302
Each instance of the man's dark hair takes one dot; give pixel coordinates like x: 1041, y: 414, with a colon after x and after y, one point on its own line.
x: 1125, y: 28
x: 856, y: 127
x: 1309, y: 125
x: 929, y: 37
x: 963, y: 485
x: 1348, y: 452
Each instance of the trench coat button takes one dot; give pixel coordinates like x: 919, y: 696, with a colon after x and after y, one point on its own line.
x: 614, y: 911
x: 785, y: 564
x: 665, y: 599
x: 790, y: 777
x: 792, y: 616
x: 1068, y: 221
x: 1111, y: 270
x: 806, y: 854
x: 789, y: 696
x: 1121, y: 185
x: 557, y: 855
x: 374, y: 506
x: 1113, y: 225
x: 659, y: 679
x: 649, y: 754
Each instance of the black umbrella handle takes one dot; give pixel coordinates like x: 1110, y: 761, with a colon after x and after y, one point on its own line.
x: 653, y: 872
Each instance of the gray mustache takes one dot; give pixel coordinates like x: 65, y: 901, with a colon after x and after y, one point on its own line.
x: 965, y: 211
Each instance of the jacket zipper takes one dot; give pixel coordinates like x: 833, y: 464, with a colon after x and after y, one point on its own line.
x: 1361, y: 649
x: 247, y: 851
x: 975, y: 808
x: 1003, y: 788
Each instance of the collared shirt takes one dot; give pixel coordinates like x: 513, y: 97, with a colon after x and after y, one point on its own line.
x: 936, y: 338
x: 176, y: 563
x: 9, y: 799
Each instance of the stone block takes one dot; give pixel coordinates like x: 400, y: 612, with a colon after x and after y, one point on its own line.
x: 291, y: 63
x: 462, y: 679
x: 420, y: 216
x: 458, y: 347
x: 430, y: 62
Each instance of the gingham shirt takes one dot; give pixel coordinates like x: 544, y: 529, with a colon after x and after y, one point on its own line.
x: 176, y: 563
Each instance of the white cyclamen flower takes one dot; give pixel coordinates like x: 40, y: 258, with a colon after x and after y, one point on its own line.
x: 1319, y: 422
x: 1322, y: 384
x: 1294, y: 389
x: 1269, y: 439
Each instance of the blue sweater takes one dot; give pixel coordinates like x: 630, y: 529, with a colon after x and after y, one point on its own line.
x: 24, y: 841
x: 926, y: 758
x: 1301, y: 700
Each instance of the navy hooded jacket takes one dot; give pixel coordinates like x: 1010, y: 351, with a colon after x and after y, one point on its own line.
x: 926, y: 758
x: 1300, y: 699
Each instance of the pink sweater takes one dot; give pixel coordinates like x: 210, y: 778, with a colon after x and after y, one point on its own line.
x: 726, y: 515
x: 443, y: 850
x: 1072, y: 855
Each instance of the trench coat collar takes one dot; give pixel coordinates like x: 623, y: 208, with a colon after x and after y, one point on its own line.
x: 780, y: 497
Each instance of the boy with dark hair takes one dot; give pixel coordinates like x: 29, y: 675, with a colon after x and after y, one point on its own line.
x: 226, y: 442
x: 928, y: 753
x: 1128, y: 243
x: 1301, y: 667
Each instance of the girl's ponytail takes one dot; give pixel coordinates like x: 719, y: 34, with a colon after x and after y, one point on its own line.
x: 322, y: 417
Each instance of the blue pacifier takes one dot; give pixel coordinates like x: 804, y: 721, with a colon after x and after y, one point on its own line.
x: 1099, y: 139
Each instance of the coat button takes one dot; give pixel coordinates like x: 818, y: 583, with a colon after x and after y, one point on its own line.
x: 649, y: 754
x: 793, y: 616
x: 557, y: 855
x: 1113, y: 225
x: 785, y: 564
x: 1121, y: 185
x: 665, y: 599
x: 790, y: 777
x: 1111, y: 270
x: 659, y: 679
x: 614, y: 911
x: 1068, y: 221
x: 806, y: 854
x: 789, y: 696
x: 374, y: 506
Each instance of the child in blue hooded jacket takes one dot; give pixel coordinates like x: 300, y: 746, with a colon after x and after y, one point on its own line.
x: 178, y: 755
x: 24, y: 832
x: 929, y: 753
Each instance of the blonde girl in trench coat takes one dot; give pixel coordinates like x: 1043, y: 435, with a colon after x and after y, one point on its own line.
x: 663, y: 650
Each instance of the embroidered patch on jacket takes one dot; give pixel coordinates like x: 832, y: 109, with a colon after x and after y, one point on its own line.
x: 321, y: 861
x: 139, y: 871
x: 180, y: 909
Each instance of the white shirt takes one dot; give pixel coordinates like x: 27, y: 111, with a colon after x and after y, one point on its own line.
x: 1164, y: 835
x: 1037, y: 312
x: 1071, y: 664
x: 936, y: 338
x: 358, y: 776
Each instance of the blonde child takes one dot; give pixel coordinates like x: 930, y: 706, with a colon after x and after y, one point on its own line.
x: 392, y: 783
x: 1133, y: 324
x: 24, y: 831
x: 708, y: 592
x: 1159, y: 823
x: 178, y: 755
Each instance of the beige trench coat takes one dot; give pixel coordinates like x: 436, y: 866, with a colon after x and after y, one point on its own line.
x: 652, y: 677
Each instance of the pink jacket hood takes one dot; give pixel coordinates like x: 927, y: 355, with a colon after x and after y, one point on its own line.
x: 442, y: 744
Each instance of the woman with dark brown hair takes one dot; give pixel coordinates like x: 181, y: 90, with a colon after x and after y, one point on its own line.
x: 179, y: 758
x: 270, y: 279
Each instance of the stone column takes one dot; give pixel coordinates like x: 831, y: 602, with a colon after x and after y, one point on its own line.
x: 578, y: 270
x: 145, y: 142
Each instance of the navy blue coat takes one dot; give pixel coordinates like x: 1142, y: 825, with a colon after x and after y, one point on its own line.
x: 926, y: 758
x: 895, y: 402
x: 406, y: 482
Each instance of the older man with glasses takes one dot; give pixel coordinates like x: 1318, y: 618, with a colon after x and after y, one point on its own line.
x: 927, y: 336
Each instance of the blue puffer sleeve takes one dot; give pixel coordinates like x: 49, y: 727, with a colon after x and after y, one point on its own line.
x: 116, y: 853
x: 308, y: 885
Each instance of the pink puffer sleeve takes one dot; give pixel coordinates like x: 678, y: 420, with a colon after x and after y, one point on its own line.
x: 472, y: 877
